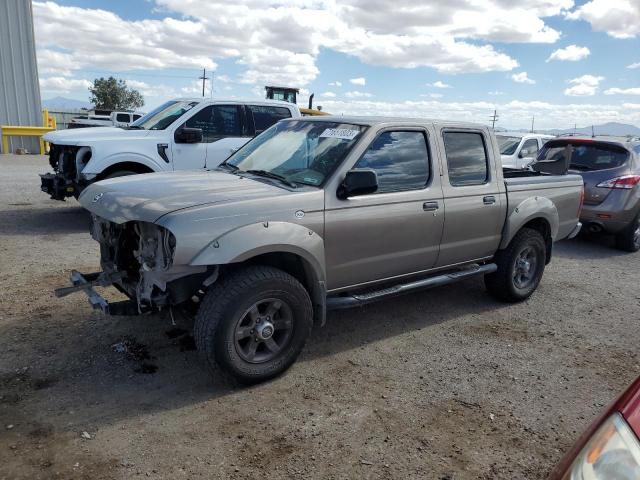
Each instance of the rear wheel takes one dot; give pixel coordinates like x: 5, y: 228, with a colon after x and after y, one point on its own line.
x: 520, y: 267
x: 629, y: 239
x: 253, y: 323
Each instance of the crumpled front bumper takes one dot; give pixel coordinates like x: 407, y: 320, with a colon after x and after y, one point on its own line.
x: 58, y: 186
x: 86, y: 282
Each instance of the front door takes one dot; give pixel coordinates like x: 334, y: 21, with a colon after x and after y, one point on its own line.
x: 228, y: 133
x: 395, y: 231
x: 474, y: 203
x: 191, y: 156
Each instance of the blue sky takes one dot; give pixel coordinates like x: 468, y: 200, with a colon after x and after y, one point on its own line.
x: 458, y: 60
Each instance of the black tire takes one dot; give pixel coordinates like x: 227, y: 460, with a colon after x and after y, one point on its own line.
x: 119, y: 173
x: 628, y: 240
x: 510, y: 283
x: 228, y: 303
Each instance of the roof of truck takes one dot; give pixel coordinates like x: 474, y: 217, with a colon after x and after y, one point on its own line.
x: 235, y: 101
x: 524, y: 134
x: 374, y: 120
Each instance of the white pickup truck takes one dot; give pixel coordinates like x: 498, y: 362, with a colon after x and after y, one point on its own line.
x: 114, y: 119
x: 181, y: 134
x: 518, y: 150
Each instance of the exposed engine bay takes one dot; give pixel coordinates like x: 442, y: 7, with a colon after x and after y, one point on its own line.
x: 139, y: 257
x: 67, y: 162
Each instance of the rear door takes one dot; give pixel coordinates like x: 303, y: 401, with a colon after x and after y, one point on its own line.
x: 395, y: 231
x: 262, y: 117
x: 474, y: 203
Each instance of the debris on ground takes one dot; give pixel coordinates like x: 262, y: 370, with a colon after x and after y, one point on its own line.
x: 86, y: 435
x: 131, y: 348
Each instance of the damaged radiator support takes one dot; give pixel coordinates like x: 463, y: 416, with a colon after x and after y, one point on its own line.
x: 86, y: 283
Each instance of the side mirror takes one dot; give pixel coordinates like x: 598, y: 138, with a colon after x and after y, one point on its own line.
x: 188, y: 135
x: 359, y: 181
x: 523, y: 153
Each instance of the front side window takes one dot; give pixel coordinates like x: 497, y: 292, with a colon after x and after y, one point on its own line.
x: 264, y: 116
x: 466, y: 158
x: 216, y: 122
x: 508, y: 144
x: 163, y: 116
x: 302, y: 152
x: 400, y: 160
x: 530, y: 148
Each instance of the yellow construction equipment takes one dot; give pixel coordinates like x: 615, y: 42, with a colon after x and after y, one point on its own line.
x: 48, y: 121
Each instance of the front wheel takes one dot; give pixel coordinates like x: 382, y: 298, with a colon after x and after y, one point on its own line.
x: 520, y: 267
x: 253, y: 323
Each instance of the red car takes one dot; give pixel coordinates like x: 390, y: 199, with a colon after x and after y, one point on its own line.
x: 610, y: 448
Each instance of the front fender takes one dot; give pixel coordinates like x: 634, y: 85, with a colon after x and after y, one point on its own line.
x: 99, y: 164
x: 527, y: 210
x: 249, y: 241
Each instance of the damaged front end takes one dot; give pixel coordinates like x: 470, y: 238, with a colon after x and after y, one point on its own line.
x: 67, y: 162
x: 137, y: 259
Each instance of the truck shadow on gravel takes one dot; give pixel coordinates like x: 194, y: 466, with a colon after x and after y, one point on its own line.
x: 86, y: 370
x: 44, y: 221
x: 589, y: 248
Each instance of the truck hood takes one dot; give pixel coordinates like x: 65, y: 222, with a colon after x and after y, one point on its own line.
x: 87, y: 136
x: 150, y: 196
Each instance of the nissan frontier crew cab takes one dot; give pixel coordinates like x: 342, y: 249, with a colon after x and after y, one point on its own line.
x: 321, y: 213
x: 182, y: 134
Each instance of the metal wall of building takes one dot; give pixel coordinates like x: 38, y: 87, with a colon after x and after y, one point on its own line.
x: 19, y: 89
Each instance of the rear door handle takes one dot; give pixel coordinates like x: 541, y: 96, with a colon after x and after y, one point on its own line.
x: 489, y: 200
x: 430, y: 206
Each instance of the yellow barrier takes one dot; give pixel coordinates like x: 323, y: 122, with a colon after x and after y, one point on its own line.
x: 14, y: 131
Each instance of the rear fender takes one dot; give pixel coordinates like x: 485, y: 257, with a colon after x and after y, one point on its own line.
x: 530, y: 209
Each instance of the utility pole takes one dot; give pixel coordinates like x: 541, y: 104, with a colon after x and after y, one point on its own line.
x: 494, y: 119
x: 213, y: 75
x: 533, y: 119
x: 204, y: 78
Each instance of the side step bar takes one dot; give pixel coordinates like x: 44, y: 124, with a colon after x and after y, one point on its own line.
x: 357, y: 300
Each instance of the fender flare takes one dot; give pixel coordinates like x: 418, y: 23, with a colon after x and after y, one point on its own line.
x: 529, y: 209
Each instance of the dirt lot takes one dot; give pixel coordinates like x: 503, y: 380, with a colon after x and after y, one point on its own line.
x: 446, y: 384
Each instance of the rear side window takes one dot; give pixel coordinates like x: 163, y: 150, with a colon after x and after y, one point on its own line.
x: 400, y: 159
x: 466, y: 158
x: 584, y: 156
x: 264, y: 116
x: 123, y: 117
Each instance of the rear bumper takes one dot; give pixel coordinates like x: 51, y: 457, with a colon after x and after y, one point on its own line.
x: 58, y: 186
x: 595, y: 218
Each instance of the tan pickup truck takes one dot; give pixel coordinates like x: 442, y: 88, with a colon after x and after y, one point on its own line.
x: 321, y: 213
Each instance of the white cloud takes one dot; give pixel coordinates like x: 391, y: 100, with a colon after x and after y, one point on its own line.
x: 63, y: 84
x: 572, y: 53
x: 359, y: 81
x: 432, y: 95
x: 278, y: 41
x: 618, y: 18
x: 328, y: 95
x: 623, y: 91
x: 335, y: 84
x: 522, y: 77
x: 631, y: 105
x: 155, y: 90
x: 584, y: 86
x: 634, y: 65
x: 438, y: 84
x: 357, y: 94
x: 221, y: 78
x: 513, y: 114
x: 496, y: 92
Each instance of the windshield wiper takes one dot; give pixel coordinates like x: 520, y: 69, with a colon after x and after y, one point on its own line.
x: 232, y: 167
x: 133, y: 127
x: 268, y: 174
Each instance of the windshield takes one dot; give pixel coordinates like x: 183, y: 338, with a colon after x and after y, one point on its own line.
x: 301, y: 152
x: 164, y: 115
x: 584, y: 155
x: 508, y: 145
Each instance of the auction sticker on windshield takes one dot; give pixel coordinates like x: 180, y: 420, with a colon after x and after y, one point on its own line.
x: 341, y: 133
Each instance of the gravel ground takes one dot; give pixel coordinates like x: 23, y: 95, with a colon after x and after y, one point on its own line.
x: 444, y: 384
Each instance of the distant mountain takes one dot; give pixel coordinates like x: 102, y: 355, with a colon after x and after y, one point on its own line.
x: 61, y: 103
x: 611, y: 128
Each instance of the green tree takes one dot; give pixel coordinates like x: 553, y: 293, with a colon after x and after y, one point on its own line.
x: 112, y: 94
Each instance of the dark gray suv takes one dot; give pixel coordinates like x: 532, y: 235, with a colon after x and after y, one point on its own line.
x: 610, y: 167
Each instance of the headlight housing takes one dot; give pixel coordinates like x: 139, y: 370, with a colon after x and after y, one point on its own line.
x: 612, y: 453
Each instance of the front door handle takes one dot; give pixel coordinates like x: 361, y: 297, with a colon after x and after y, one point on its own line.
x: 489, y: 200
x: 430, y: 206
